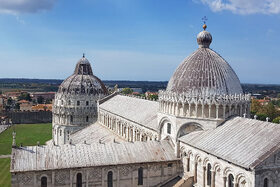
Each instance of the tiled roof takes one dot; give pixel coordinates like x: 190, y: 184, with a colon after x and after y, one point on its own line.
x: 141, y: 111
x: 242, y: 141
x: 34, y: 158
x: 95, y: 133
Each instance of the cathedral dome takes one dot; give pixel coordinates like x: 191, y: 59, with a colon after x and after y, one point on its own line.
x: 205, y: 72
x: 82, y: 81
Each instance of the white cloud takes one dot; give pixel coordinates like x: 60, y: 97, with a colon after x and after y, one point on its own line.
x: 25, y: 6
x: 245, y: 6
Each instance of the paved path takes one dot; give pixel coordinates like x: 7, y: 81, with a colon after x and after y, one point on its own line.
x: 5, y: 156
x: 3, y: 127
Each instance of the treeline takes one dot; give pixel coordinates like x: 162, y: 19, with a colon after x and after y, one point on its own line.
x: 265, y: 110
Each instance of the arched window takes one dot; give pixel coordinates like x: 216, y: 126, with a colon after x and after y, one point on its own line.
x: 69, y: 102
x: 140, y: 176
x: 87, y: 103
x: 110, y: 179
x: 79, y: 182
x: 78, y: 103
x: 230, y: 180
x: 87, y: 119
x: 60, y: 132
x: 61, y: 102
x: 168, y: 128
x: 209, y: 174
x: 44, y: 182
x: 265, y: 182
x: 71, y: 118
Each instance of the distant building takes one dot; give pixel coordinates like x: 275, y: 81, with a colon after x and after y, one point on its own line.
x: 25, y: 106
x: 45, y: 95
x: 2, y: 103
x: 42, y: 107
x: 147, y: 94
x: 13, y: 95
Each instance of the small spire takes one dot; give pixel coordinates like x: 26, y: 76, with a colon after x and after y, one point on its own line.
x: 83, y: 55
x: 204, y: 19
x: 14, y: 139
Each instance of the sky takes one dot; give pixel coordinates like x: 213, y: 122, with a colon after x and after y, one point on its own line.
x: 136, y: 39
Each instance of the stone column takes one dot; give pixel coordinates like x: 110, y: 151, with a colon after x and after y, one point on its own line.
x: 209, y: 107
x: 224, y: 111
x: 196, y: 106
x: 184, y: 110
x: 177, y: 109
x: 195, y: 172
x: 190, y: 110
x: 225, y: 181
x: 204, y: 171
x: 126, y: 133
x: 134, y: 135
x: 241, y: 109
x: 213, y: 174
x: 217, y: 111
x: 202, y: 110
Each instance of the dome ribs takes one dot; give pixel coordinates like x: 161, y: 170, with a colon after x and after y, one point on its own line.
x: 205, y: 71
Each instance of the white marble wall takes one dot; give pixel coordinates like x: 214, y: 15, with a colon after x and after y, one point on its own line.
x: 220, y: 169
x: 123, y: 175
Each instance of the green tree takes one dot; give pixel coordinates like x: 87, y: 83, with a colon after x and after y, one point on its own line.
x: 40, y: 100
x: 255, y: 106
x: 9, y: 101
x: 153, y: 97
x: 24, y: 96
x: 270, y: 110
x: 127, y: 91
x: 17, y: 106
x: 276, y: 120
x: 261, y: 116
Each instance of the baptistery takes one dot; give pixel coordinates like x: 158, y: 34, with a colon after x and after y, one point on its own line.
x: 75, y: 104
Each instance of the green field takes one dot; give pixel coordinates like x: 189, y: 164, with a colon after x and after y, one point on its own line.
x: 27, y: 134
x: 5, y: 176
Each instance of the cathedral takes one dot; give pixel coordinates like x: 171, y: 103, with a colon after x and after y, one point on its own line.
x: 199, y: 133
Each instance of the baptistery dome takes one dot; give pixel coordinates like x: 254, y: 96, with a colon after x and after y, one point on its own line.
x: 205, y: 72
x: 75, y: 104
x: 82, y: 81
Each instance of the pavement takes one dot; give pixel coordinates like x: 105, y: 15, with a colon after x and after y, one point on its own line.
x: 5, y: 156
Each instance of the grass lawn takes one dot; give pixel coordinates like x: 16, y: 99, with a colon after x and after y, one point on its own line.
x: 27, y: 134
x: 5, y: 176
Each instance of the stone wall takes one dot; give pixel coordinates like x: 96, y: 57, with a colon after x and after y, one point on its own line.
x: 154, y: 174
x: 24, y: 117
x: 197, y: 164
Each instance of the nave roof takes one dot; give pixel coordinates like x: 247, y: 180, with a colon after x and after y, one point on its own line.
x: 36, y: 158
x: 140, y: 111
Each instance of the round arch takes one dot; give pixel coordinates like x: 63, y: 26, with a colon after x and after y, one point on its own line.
x: 188, y: 128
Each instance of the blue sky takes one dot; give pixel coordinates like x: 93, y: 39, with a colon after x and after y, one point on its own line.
x: 136, y: 39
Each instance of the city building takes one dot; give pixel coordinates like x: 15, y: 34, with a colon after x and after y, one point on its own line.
x: 196, y: 134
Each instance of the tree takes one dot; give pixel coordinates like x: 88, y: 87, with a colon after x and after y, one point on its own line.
x: 261, y: 116
x: 24, y: 96
x: 127, y: 91
x: 9, y: 101
x: 269, y: 110
x: 153, y: 97
x: 17, y: 106
x: 40, y: 100
x: 255, y: 106
x: 276, y: 120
